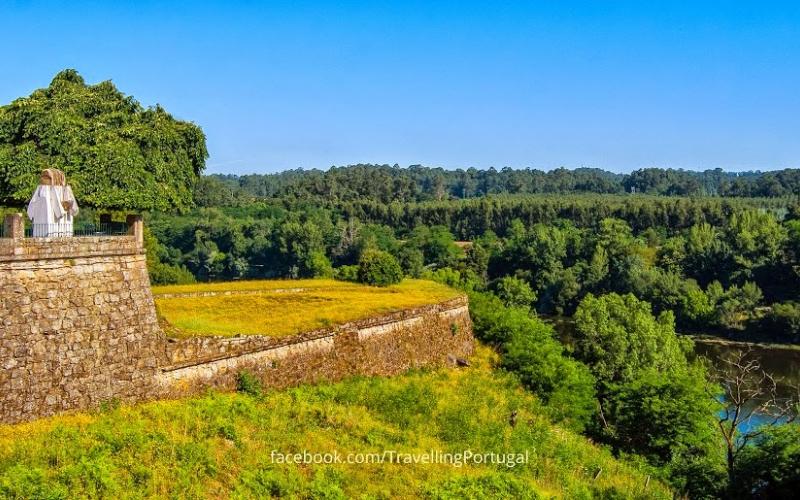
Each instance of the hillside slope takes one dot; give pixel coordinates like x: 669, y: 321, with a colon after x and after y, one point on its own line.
x: 221, y: 445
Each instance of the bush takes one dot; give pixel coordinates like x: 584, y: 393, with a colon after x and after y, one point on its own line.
x: 565, y: 385
x: 319, y: 266
x: 166, y: 274
x: 163, y: 273
x: 346, y: 273
x: 248, y: 383
x: 499, y: 486
x: 411, y: 260
x: 661, y: 417
x: 379, y: 268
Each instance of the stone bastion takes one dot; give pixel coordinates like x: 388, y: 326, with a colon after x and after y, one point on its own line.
x: 78, y: 328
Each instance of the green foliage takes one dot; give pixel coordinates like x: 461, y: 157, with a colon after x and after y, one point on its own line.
x: 247, y: 383
x: 317, y: 265
x: 463, y: 280
x: 663, y: 417
x: 379, y: 268
x: 514, y: 292
x: 756, y: 239
x: 25, y: 482
x: 654, y: 401
x: 531, y: 351
x: 411, y: 260
x: 771, y: 469
x: 784, y: 320
x: 561, y: 260
x: 163, y: 273
x: 302, y: 247
x: 346, y: 273
x: 618, y: 337
x: 736, y: 305
x: 385, y: 184
x: 115, y: 153
x: 494, y: 486
x: 437, y: 245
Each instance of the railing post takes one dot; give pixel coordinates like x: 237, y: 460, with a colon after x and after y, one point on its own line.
x: 14, y: 227
x: 136, y: 228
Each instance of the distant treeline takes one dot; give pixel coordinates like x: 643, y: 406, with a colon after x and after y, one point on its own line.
x: 471, y: 218
x: 385, y: 184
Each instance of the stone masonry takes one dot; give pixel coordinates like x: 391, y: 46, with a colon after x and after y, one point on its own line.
x: 78, y: 328
x: 77, y: 323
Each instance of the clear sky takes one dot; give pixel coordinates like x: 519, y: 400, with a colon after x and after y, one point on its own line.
x: 613, y: 84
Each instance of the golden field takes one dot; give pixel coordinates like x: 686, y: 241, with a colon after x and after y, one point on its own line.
x: 281, y: 308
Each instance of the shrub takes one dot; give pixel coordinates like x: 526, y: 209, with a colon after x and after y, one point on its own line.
x: 379, y: 268
x: 411, y: 260
x: 565, y: 385
x: 500, y: 486
x: 319, y: 266
x: 346, y: 273
x: 662, y: 417
x: 167, y: 274
x: 248, y: 383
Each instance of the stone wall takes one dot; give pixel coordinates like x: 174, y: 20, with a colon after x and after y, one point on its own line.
x: 77, y: 324
x: 384, y: 345
x: 78, y: 328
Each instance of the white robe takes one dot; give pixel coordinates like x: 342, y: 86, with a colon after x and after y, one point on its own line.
x: 49, y: 217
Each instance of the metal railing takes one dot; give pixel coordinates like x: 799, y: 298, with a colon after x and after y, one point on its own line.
x: 76, y: 230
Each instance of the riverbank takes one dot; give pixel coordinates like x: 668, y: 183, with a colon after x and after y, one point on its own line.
x: 564, y: 326
x: 723, y: 341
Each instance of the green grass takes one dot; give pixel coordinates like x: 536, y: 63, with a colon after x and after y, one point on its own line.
x: 220, y: 445
x: 277, y: 309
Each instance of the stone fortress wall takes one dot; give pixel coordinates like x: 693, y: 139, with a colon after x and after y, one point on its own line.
x: 78, y: 328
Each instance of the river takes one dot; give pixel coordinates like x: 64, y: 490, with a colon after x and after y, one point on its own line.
x: 782, y: 362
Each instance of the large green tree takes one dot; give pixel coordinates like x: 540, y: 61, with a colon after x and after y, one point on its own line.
x: 618, y: 337
x: 116, y: 153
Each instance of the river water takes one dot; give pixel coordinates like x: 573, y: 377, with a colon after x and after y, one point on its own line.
x: 781, y: 362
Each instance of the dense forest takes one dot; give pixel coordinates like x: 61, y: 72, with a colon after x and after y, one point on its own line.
x: 725, y: 265
x: 385, y: 184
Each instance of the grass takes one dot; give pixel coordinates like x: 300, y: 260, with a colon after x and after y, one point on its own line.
x: 220, y: 445
x: 270, y: 309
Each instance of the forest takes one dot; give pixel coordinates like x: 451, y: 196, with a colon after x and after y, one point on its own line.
x: 725, y: 265
x: 385, y: 183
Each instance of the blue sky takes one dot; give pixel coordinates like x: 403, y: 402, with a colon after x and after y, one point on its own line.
x: 616, y: 85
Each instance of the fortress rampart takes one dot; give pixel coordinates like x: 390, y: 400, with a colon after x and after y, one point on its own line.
x: 78, y: 328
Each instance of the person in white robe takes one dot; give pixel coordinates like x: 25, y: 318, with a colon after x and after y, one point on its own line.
x: 52, y: 206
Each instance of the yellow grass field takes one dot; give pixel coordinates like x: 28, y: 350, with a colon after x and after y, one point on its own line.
x: 283, y: 308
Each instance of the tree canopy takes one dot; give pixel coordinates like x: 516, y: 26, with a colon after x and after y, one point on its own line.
x: 116, y: 153
x: 391, y: 183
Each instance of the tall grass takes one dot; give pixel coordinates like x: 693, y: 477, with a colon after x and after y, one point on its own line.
x: 267, y: 310
x: 220, y: 445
